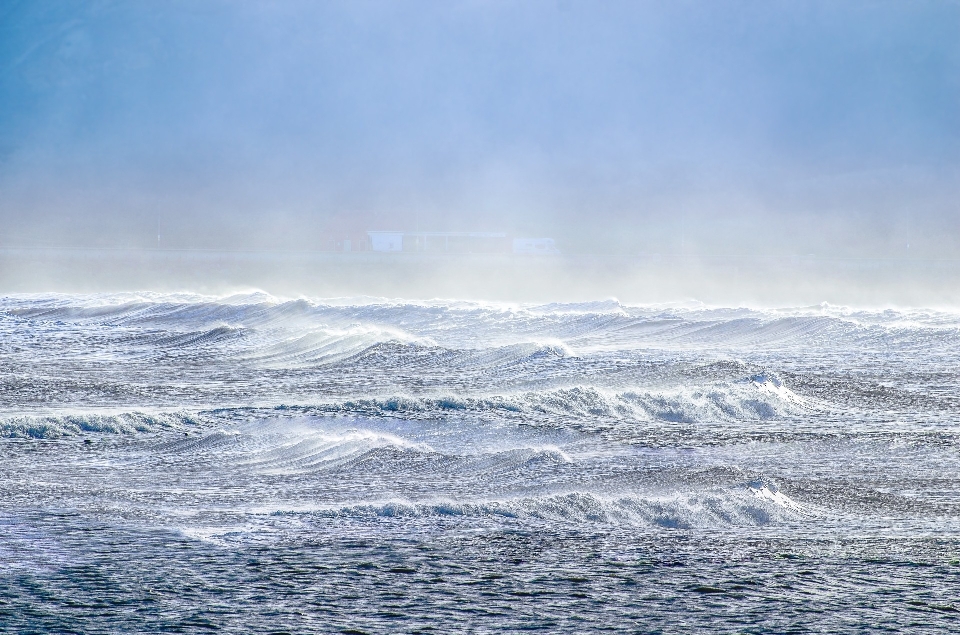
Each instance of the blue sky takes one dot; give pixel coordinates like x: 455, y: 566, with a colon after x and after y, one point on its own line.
x: 584, y: 120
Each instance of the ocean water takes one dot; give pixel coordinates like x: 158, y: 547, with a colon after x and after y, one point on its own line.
x: 183, y: 463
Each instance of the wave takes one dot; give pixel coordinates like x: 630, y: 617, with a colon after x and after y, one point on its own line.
x: 322, y: 450
x: 326, y: 345
x: 595, y: 363
x: 216, y: 335
x: 582, y: 326
x: 66, y: 425
x: 736, y: 507
x: 752, y: 399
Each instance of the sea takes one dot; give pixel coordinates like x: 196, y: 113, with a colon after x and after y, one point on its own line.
x: 184, y: 463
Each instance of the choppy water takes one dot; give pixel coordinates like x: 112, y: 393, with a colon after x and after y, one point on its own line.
x: 181, y: 463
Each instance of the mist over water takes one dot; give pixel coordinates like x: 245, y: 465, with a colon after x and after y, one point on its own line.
x: 479, y: 317
x: 755, y: 281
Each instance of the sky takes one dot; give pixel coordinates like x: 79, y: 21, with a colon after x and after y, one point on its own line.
x: 709, y: 127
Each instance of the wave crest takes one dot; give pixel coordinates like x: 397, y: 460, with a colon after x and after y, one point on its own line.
x: 680, y: 511
x: 55, y: 426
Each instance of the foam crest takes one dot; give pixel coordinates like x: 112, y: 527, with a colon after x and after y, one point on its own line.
x: 677, y: 511
x: 605, y: 325
x: 767, y: 491
x: 304, y: 449
x: 56, y: 426
x: 328, y: 345
x: 745, y: 400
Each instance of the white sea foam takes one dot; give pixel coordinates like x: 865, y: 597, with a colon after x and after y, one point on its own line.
x: 656, y: 417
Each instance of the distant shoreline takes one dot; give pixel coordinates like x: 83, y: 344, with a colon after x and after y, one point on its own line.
x: 377, y: 256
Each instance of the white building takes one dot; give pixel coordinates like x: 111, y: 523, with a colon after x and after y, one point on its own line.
x: 386, y: 241
x: 542, y: 246
x: 455, y: 242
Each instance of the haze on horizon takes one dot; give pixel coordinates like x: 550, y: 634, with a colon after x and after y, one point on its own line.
x: 736, y: 127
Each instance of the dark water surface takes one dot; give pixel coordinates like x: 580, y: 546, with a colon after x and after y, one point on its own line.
x: 178, y: 463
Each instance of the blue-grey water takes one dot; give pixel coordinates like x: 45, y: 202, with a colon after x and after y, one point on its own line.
x: 182, y: 463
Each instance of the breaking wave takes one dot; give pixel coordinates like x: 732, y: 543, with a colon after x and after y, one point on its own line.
x: 56, y: 426
x: 679, y: 511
